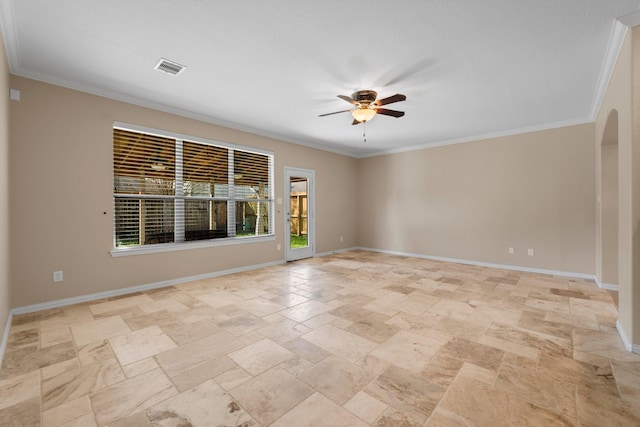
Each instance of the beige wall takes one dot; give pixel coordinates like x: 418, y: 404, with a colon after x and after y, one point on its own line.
x: 618, y: 100
x: 473, y: 201
x: 61, y: 167
x: 5, y: 293
x: 633, y: 186
x: 609, y: 210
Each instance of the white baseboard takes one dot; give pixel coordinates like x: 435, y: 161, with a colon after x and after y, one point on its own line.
x: 123, y: 291
x: 162, y: 284
x: 486, y: 264
x: 337, y: 251
x: 624, y: 336
x: 607, y: 286
x: 5, y: 336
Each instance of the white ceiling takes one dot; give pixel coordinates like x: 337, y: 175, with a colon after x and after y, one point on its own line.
x: 469, y: 69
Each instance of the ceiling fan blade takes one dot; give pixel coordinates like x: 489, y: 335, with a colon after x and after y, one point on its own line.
x: 336, y: 112
x: 392, y: 113
x: 393, y: 98
x: 348, y: 99
x: 355, y: 122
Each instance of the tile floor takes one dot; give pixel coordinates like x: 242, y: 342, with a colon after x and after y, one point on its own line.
x: 353, y: 339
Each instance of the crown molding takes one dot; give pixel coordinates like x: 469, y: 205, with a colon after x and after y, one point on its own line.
x: 10, y: 34
x: 631, y: 19
x: 618, y: 33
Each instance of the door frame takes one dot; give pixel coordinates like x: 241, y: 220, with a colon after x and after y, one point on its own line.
x: 309, y: 251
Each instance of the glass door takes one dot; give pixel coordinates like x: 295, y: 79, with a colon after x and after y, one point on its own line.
x: 299, y: 214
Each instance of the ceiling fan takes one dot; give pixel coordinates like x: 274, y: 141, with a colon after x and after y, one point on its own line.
x: 366, y: 106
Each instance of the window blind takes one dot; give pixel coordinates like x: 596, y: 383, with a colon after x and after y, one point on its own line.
x: 174, y: 190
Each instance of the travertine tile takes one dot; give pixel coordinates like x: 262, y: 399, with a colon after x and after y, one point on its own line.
x: 19, y: 338
x: 100, y: 329
x: 29, y: 358
x: 59, y: 368
x: 19, y: 389
x: 140, y: 344
x: 71, y: 385
x: 366, y: 407
x: 393, y: 418
x: 318, y: 411
x: 55, y: 336
x: 627, y: 374
x: 200, y: 406
x: 132, y: 395
x: 23, y: 414
x: 442, y: 369
x: 68, y: 412
x: 406, y: 392
x: 336, y: 378
x: 342, y: 343
x: 202, y: 372
x: 398, y: 341
x: 119, y: 304
x: 183, y: 332
x: 478, y: 404
x: 166, y: 304
x: 409, y: 350
x: 260, y: 307
x: 260, y: 356
x: 373, y: 328
x: 137, y: 368
x: 307, y: 349
x: 471, y: 352
x: 541, y: 387
x: 95, y: 352
x: 283, y: 330
x: 271, y: 394
x: 232, y: 378
x: 306, y: 310
x: 183, y: 358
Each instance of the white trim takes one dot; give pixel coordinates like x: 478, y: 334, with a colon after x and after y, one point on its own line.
x: 174, y: 110
x: 171, y: 247
x: 123, y: 291
x: 337, y: 251
x: 5, y: 336
x: 618, y: 33
x: 480, y: 137
x: 485, y: 264
x: 310, y: 174
x: 623, y: 335
x: 607, y: 286
x: 10, y: 35
x: 630, y: 20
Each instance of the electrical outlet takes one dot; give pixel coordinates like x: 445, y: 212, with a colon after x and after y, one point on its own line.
x: 279, y: 247
x: 511, y: 250
x: 341, y: 239
x: 531, y: 252
x: 57, y: 276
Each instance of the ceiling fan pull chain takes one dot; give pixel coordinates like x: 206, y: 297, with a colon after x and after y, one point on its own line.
x: 364, y: 132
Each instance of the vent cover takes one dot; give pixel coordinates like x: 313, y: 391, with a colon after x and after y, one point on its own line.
x: 169, y: 67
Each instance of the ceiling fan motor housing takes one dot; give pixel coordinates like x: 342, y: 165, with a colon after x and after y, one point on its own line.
x: 364, y: 97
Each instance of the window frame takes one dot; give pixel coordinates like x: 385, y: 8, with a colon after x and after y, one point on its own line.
x: 231, y: 199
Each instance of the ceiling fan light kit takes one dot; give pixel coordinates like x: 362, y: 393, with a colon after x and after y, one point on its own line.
x: 363, y: 114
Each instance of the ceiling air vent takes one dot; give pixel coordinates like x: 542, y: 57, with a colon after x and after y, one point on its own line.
x: 169, y: 67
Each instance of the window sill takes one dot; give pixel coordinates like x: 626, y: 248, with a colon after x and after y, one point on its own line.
x: 172, y: 247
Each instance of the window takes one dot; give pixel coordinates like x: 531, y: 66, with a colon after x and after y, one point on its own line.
x: 172, y: 189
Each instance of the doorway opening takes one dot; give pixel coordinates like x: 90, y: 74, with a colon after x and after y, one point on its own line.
x: 609, y: 201
x: 299, y: 215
